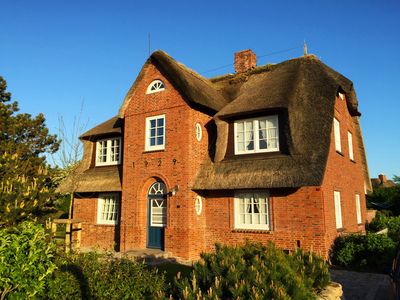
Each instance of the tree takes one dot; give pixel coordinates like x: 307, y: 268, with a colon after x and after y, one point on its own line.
x: 25, y: 182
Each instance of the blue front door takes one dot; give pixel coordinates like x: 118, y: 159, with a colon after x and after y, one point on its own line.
x: 157, y: 211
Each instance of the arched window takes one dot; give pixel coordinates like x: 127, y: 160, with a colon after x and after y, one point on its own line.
x: 158, y: 188
x: 155, y: 86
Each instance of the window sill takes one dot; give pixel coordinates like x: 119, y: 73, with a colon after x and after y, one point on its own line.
x: 341, y: 229
x: 107, y: 165
x: 340, y: 153
x: 353, y: 161
x: 110, y: 225
x: 264, y: 231
x: 151, y: 150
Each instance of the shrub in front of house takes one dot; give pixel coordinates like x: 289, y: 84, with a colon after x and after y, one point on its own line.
x: 253, y: 271
x: 372, y: 251
x: 382, y: 221
x: 100, y: 276
x: 26, y: 261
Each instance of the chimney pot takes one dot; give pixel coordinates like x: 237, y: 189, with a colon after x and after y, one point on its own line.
x: 382, y: 178
x: 245, y: 60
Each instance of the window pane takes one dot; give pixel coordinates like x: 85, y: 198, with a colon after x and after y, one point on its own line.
x: 152, y: 141
x: 160, y: 140
x: 160, y: 122
x: 252, y: 210
x: 152, y: 123
x: 152, y: 132
x: 160, y: 131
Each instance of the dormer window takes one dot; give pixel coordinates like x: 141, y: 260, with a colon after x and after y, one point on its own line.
x: 155, y: 87
x: 256, y: 135
x: 108, y: 152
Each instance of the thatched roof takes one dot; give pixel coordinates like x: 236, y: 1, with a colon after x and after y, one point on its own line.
x: 111, y: 126
x: 305, y: 90
x: 194, y: 88
x: 100, y: 179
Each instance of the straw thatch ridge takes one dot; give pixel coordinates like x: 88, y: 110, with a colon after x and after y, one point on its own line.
x: 194, y: 88
x: 306, y: 89
x: 111, y: 126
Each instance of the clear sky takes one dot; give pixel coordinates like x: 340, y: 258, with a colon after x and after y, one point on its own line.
x: 56, y: 55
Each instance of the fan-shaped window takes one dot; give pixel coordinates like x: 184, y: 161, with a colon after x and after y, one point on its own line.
x: 155, y: 86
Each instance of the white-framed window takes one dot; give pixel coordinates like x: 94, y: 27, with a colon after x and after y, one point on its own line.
x: 108, y: 152
x: 338, y: 144
x: 155, y: 86
x: 341, y: 96
x: 155, y: 133
x: 252, y: 210
x: 350, y: 139
x: 199, y: 132
x: 256, y: 135
x: 107, y: 209
x: 358, y: 209
x: 198, y: 205
x: 338, y: 210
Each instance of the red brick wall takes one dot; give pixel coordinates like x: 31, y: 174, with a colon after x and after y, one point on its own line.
x: 176, y: 166
x: 296, y: 215
x: 94, y: 235
x: 345, y: 176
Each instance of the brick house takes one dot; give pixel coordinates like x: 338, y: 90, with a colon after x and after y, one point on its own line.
x: 270, y: 153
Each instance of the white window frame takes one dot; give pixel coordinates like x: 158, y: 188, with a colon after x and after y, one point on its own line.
x: 158, y: 85
x: 350, y: 141
x: 358, y: 209
x: 243, y: 195
x: 338, y: 210
x: 148, y: 147
x: 338, y: 144
x: 256, y: 138
x: 341, y: 96
x: 199, y: 132
x: 198, y: 205
x: 109, y: 159
x: 100, y: 206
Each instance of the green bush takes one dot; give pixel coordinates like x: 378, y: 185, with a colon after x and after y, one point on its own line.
x: 369, y: 252
x: 253, y: 271
x: 98, y: 276
x: 382, y: 221
x: 25, y: 261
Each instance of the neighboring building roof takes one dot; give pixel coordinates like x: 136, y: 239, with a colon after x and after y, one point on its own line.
x: 100, y: 179
x: 111, y: 126
x: 306, y: 90
x: 382, y: 182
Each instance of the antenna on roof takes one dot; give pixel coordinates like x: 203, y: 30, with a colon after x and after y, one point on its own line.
x: 149, y: 43
x: 305, y: 48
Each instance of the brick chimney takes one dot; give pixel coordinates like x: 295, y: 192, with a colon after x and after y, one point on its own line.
x: 382, y: 178
x: 245, y: 60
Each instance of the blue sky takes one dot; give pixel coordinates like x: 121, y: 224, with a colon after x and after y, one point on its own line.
x: 57, y: 54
